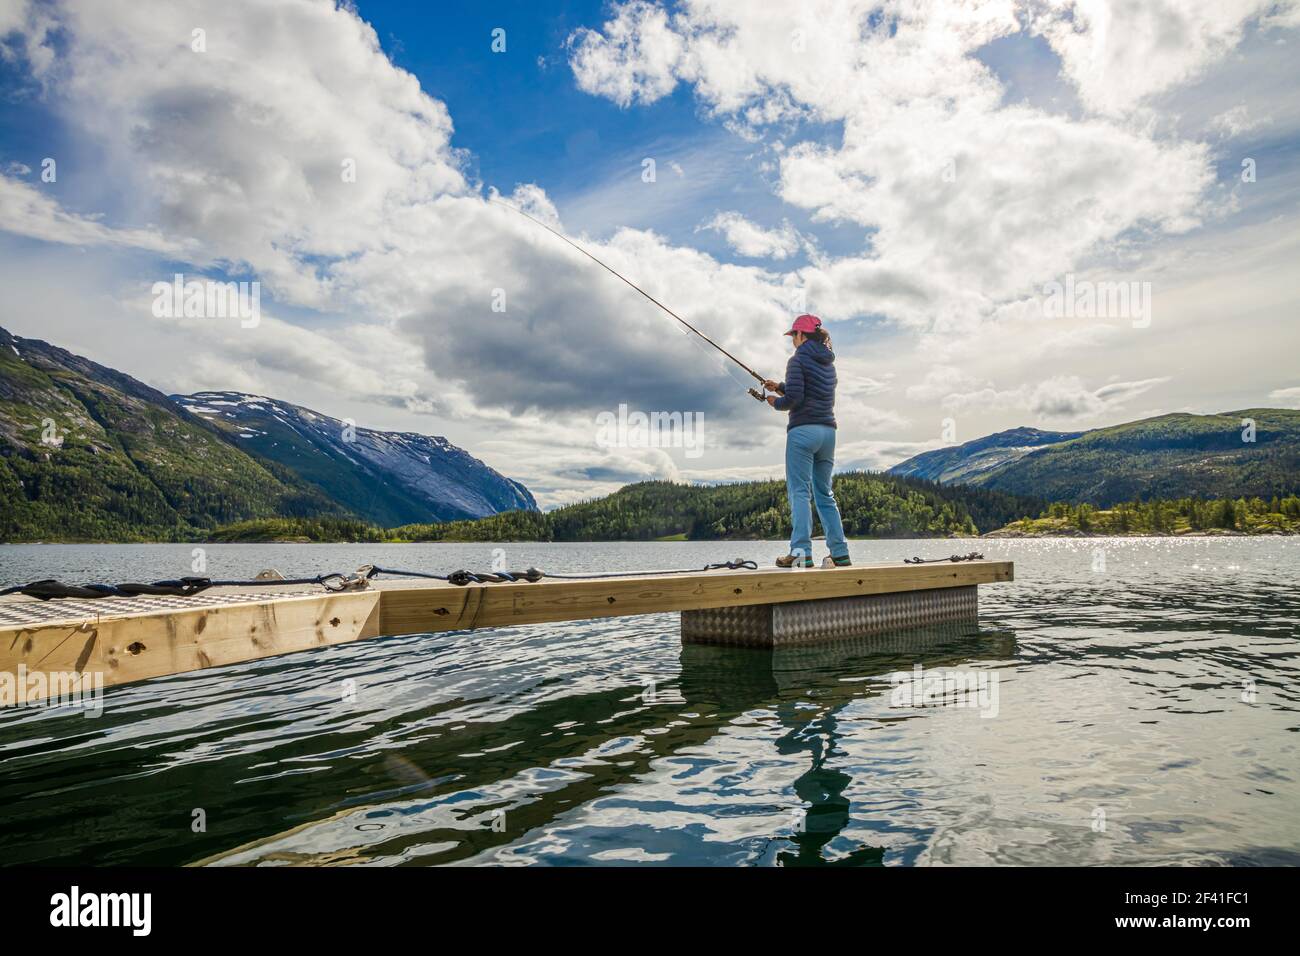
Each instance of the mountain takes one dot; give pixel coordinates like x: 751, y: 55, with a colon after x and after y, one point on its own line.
x: 88, y: 453
x: 1170, y: 456
x: 388, y: 478
x: 964, y: 463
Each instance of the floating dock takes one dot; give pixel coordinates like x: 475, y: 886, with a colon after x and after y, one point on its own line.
x: 45, y: 645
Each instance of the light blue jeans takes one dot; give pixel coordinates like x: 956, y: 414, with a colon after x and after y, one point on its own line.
x: 809, y: 459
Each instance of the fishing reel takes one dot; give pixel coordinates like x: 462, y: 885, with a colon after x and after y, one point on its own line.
x: 757, y: 394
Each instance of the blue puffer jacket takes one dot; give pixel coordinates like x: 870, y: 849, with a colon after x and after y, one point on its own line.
x: 809, y: 386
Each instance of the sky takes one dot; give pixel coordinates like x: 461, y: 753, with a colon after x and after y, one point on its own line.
x: 1047, y: 213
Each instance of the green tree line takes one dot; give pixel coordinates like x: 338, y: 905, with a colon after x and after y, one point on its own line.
x: 1279, y: 515
x: 872, y: 506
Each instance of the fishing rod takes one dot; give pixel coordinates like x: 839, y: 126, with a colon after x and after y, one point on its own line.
x: 753, y: 391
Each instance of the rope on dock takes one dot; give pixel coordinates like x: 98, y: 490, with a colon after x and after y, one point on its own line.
x: 463, y: 577
x: 973, y: 556
x: 50, y: 589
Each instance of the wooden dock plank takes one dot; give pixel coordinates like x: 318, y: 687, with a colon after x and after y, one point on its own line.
x: 124, y: 643
x: 141, y: 645
x: 407, y: 610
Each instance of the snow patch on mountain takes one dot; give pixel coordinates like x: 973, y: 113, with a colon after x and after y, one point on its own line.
x: 427, y: 472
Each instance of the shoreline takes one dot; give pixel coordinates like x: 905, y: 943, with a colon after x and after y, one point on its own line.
x: 1000, y: 534
x: 1004, y: 533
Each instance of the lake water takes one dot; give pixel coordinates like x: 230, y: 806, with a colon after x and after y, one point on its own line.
x: 1147, y: 711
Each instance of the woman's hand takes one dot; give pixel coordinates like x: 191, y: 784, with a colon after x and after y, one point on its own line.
x: 772, y: 386
x: 771, y: 400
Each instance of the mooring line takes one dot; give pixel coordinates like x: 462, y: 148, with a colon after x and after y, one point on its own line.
x: 337, y: 582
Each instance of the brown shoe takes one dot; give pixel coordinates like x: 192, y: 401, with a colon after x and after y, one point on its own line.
x: 794, y: 561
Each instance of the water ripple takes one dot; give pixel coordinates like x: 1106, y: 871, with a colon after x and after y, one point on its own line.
x: 1146, y: 713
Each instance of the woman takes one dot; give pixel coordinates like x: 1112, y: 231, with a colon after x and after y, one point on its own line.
x: 808, y: 394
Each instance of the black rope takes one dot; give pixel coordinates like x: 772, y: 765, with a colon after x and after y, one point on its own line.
x: 733, y: 565
x: 463, y: 577
x: 51, y: 589
x: 459, y: 578
x: 973, y: 556
x: 723, y: 565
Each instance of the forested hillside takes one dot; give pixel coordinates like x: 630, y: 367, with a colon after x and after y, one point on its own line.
x: 872, y: 505
x: 1251, y: 453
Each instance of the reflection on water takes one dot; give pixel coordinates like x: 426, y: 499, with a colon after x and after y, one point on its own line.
x: 1146, y: 714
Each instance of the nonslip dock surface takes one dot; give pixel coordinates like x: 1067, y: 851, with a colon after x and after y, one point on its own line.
x: 129, y: 639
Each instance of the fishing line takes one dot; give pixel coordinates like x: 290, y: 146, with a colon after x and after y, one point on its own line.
x: 717, y: 361
x: 555, y: 232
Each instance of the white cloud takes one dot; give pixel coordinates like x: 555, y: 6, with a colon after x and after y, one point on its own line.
x: 1282, y: 16
x: 1286, y: 397
x: 633, y: 59
x: 1060, y: 398
x: 246, y: 162
x: 235, y: 157
x: 940, y: 382
x: 27, y: 211
x: 1121, y: 52
x: 879, y: 455
x: 248, y: 154
x: 752, y: 240
x: 857, y: 384
x: 25, y: 27
x: 966, y: 202
x: 1235, y: 121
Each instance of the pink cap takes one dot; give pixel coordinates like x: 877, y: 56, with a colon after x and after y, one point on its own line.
x: 805, y: 323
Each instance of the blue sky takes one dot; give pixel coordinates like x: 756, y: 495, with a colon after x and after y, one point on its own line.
x: 522, y: 120
x: 917, y: 175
